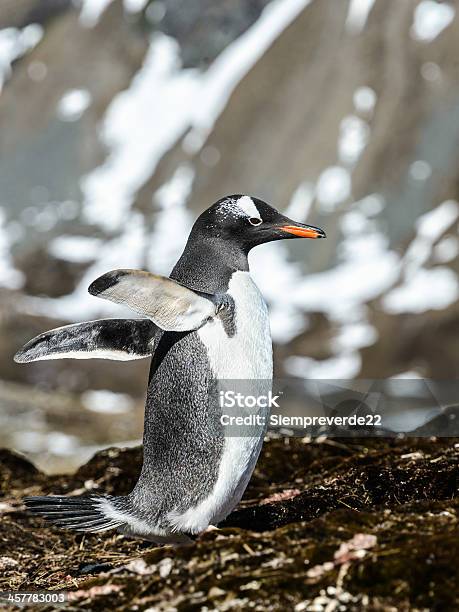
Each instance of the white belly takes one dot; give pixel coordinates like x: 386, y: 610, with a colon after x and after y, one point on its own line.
x: 247, y: 356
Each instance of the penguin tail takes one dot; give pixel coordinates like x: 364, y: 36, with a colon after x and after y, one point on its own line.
x: 90, y: 513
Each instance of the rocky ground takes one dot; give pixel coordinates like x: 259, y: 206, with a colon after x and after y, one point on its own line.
x: 324, y: 525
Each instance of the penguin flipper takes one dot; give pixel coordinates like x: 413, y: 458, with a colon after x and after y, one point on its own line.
x: 170, y: 305
x: 117, y: 339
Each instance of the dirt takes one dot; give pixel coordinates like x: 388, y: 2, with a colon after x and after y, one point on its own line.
x: 324, y: 525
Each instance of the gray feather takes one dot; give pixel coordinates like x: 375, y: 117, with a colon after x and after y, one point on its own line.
x: 118, y: 339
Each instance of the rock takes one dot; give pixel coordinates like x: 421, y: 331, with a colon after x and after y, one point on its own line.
x: 205, y: 28
x: 94, y: 568
x: 47, y: 275
x: 17, y: 473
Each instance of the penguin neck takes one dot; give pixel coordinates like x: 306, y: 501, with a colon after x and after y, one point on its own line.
x: 208, y: 264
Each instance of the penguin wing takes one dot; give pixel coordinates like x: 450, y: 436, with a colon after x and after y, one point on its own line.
x: 170, y: 305
x: 118, y: 339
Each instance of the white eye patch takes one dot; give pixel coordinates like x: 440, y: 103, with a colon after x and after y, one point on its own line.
x: 247, y: 205
x: 241, y: 207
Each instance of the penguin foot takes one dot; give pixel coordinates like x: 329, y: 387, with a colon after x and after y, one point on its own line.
x: 209, y: 529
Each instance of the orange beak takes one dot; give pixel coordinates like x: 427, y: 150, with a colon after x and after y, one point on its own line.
x: 303, y: 232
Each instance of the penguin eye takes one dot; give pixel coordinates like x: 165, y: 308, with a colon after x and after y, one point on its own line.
x: 255, y: 221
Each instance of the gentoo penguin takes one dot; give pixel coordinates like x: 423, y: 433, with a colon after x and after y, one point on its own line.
x: 205, y: 324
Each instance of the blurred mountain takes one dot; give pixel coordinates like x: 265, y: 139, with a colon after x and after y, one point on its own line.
x: 120, y: 120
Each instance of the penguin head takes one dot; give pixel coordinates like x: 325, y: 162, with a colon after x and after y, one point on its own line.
x: 248, y: 222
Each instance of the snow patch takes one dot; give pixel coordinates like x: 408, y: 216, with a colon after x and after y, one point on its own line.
x: 134, y: 6
x: 61, y: 443
x: 431, y: 71
x: 354, y: 336
x: 341, y: 367
x: 286, y: 323
x: 409, y: 374
x: 333, y: 187
x: 91, y: 11
x: 349, y: 285
x: 173, y: 223
x: 433, y: 224
x: 425, y: 289
x: 57, y: 442
x: 446, y: 250
x: 140, y: 126
x: 420, y: 170
x: 364, y: 99
x: 353, y: 138
x: 77, y: 249
x: 221, y: 79
x: 73, y: 104
x: 37, y: 71
x: 430, y: 227
x: 357, y: 15
x: 14, y: 43
x: 433, y: 289
x: 9, y: 276
x: 371, y: 205
x: 300, y: 202
x: 107, y: 402
x: 431, y: 18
